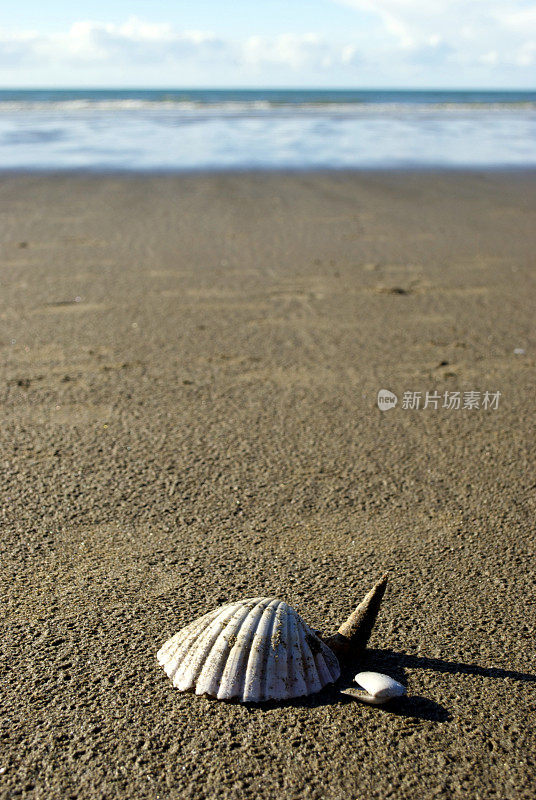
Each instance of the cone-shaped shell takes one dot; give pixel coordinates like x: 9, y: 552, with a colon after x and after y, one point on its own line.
x: 254, y: 650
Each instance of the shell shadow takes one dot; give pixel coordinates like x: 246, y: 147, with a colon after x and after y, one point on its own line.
x: 395, y: 665
x: 394, y: 661
x: 414, y: 706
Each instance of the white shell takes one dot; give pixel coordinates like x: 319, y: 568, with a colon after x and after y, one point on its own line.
x: 378, y: 688
x: 254, y: 650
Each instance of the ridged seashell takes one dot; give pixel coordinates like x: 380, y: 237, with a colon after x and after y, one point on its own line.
x: 254, y: 650
x: 377, y: 688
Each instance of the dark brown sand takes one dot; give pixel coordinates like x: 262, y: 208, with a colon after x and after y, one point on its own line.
x: 189, y: 376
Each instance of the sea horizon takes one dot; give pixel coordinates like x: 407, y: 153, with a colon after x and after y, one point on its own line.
x: 224, y: 129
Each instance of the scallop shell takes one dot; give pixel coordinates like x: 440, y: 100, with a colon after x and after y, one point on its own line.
x: 254, y: 650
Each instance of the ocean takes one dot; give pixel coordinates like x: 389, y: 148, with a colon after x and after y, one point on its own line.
x: 184, y: 130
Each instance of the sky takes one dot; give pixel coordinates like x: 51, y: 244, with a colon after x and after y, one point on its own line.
x: 268, y: 43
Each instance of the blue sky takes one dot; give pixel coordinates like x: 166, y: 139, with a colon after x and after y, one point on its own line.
x: 297, y: 43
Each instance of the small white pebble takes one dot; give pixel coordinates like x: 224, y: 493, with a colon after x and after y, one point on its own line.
x: 378, y: 688
x: 519, y: 351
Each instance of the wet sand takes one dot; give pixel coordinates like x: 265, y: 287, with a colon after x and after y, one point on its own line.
x: 190, y: 368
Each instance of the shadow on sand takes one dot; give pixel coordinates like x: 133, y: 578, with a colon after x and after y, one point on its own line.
x: 395, y: 664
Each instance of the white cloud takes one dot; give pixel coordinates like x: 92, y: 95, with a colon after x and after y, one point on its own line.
x: 136, y: 41
x: 305, y: 51
x: 396, y: 42
x: 489, y: 58
x: 88, y: 41
x: 464, y: 32
x: 526, y: 56
x: 520, y: 19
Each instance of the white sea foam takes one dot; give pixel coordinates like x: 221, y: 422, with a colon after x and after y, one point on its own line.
x: 215, y: 130
x: 253, y: 107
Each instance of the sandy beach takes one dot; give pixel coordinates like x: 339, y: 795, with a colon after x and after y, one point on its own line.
x: 189, y: 376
